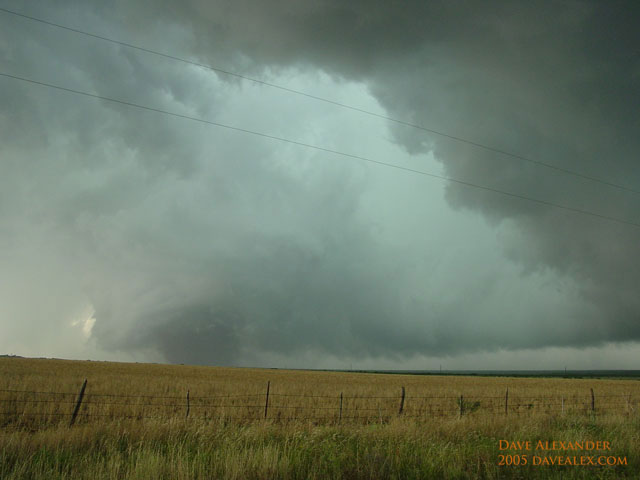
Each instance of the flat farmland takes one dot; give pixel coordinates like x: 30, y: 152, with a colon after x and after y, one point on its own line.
x: 175, y: 421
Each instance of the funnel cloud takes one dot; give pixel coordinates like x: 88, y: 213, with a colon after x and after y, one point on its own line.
x: 132, y: 235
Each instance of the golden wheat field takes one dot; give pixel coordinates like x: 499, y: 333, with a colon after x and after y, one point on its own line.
x: 175, y: 421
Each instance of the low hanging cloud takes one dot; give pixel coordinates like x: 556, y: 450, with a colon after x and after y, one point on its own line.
x: 199, y: 245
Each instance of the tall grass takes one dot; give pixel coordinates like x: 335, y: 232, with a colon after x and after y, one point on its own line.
x: 177, y: 449
x: 245, y: 446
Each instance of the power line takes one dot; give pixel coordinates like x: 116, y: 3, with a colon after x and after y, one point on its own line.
x: 336, y: 152
x: 332, y: 102
x: 323, y: 149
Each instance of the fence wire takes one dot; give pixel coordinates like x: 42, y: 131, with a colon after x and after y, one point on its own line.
x: 16, y: 406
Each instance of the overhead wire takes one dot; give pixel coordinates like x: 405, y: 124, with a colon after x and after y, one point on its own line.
x: 323, y: 149
x: 329, y: 101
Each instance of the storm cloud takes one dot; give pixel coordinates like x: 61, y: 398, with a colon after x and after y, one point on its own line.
x: 166, y: 239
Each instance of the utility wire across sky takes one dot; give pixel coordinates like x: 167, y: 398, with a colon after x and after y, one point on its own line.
x: 323, y: 149
x: 332, y: 102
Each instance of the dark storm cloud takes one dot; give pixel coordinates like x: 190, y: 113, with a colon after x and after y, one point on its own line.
x: 558, y: 82
x: 209, y: 248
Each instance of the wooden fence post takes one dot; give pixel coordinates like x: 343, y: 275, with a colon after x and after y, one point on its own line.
x: 506, y: 402
x: 562, y: 403
x: 266, y: 403
x: 340, y: 419
x: 593, y: 401
x: 78, y: 403
x: 401, y: 402
x: 461, y: 406
x: 188, y: 405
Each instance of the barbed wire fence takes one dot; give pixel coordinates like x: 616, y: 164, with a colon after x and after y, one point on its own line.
x: 19, y: 407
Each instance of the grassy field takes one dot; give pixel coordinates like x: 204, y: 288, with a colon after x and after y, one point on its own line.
x: 133, y: 424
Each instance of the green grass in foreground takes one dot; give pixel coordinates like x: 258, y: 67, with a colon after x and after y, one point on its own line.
x: 442, y: 449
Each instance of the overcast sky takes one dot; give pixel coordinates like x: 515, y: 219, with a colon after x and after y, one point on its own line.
x: 128, y: 234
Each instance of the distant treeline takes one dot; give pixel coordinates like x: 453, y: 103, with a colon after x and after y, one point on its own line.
x: 512, y: 373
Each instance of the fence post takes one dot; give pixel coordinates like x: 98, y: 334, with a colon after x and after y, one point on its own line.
x: 401, y: 402
x: 593, y: 401
x: 506, y: 402
x: 188, y: 405
x: 78, y: 403
x: 340, y: 419
x: 266, y: 403
x: 562, y: 403
x: 461, y: 406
